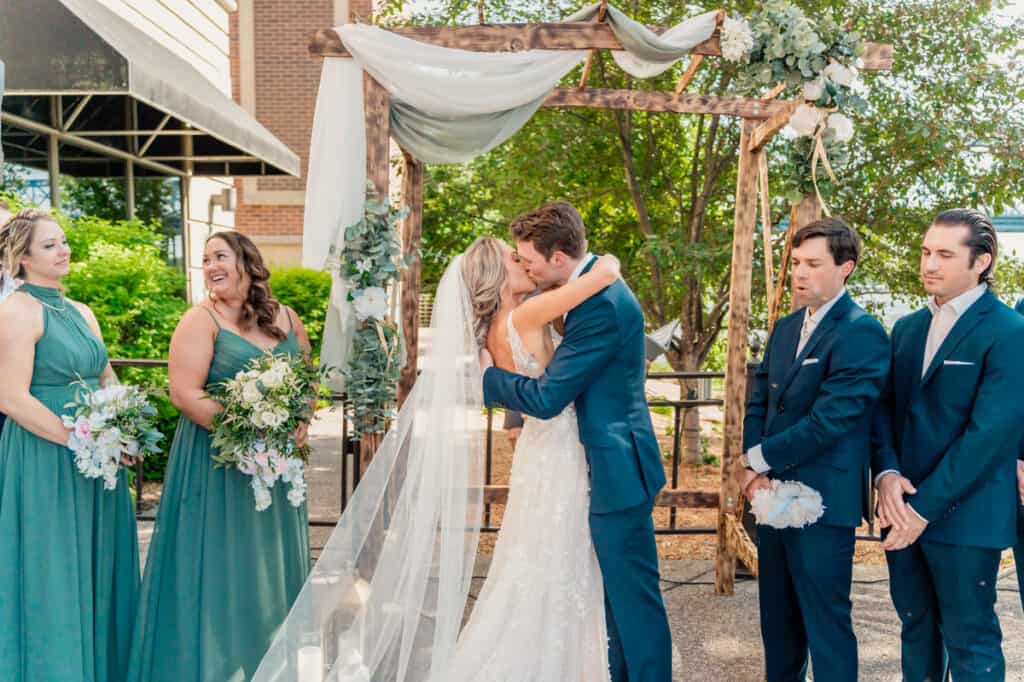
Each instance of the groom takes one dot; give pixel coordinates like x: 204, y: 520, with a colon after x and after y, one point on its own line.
x: 808, y: 420
x: 600, y: 366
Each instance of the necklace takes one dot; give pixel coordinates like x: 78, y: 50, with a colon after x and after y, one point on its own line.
x: 54, y: 308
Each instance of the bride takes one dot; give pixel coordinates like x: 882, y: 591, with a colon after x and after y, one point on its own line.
x: 388, y: 597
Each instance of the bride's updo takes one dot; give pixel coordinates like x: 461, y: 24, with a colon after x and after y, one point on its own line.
x: 483, y: 271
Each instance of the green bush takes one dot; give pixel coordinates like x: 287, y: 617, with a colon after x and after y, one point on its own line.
x: 306, y: 292
x: 118, y: 271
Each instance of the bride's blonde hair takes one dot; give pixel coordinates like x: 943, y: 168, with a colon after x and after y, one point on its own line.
x: 483, y: 272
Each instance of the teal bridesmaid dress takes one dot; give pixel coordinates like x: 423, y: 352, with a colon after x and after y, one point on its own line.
x: 220, y: 576
x: 69, y: 558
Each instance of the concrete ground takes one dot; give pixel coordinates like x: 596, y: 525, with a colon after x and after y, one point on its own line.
x: 716, y: 639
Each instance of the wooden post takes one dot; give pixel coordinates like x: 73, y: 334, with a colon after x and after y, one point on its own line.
x: 803, y: 213
x: 766, y: 229
x: 378, y: 166
x: 736, y: 359
x: 412, y: 233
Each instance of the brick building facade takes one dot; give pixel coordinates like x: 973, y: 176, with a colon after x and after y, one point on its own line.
x: 274, y: 78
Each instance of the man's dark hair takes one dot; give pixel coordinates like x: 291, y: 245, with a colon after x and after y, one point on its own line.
x: 553, y: 227
x: 981, y: 236
x: 843, y: 240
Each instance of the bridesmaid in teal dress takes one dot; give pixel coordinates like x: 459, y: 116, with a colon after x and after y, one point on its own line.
x: 69, y: 560
x: 220, y: 576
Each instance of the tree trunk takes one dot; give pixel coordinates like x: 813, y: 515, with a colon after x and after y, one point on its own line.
x: 689, y: 389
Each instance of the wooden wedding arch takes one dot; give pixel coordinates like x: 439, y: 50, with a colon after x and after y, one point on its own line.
x: 762, y: 118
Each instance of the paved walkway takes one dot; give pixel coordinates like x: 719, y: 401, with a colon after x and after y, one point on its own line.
x: 716, y: 639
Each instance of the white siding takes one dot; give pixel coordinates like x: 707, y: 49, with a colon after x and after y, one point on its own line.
x: 196, y: 30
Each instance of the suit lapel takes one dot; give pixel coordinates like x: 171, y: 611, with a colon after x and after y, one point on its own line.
x: 823, y: 329
x: 913, y: 357
x: 788, y: 338
x: 968, y: 321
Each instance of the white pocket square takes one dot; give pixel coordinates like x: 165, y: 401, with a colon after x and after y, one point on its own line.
x: 956, y: 362
x: 809, y: 361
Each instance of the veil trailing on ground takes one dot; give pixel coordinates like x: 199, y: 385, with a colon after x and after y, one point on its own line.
x: 386, y: 599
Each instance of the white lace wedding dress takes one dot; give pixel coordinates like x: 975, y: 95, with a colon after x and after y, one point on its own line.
x: 540, y: 615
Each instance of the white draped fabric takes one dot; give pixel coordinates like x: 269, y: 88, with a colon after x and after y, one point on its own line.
x: 448, y: 106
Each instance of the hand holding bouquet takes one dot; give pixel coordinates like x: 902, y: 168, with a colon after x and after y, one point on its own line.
x: 265, y: 404
x: 110, y: 427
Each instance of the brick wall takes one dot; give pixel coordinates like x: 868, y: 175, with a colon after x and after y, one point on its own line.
x: 286, y: 80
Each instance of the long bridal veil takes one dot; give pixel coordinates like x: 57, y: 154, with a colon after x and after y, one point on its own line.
x: 385, y: 600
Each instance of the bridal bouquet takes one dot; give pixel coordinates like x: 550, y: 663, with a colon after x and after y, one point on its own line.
x: 108, y: 424
x: 787, y: 504
x: 263, y: 405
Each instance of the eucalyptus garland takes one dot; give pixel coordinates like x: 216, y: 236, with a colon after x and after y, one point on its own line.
x: 370, y: 262
x: 820, y: 58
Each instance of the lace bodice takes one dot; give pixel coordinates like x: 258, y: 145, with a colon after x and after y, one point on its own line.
x: 525, y: 362
x: 543, y: 599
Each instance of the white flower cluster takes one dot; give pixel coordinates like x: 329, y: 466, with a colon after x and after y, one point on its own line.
x: 370, y: 303
x: 807, y: 119
x: 267, y: 466
x: 736, y: 39
x: 787, y: 504
x: 261, y: 407
x: 95, y: 438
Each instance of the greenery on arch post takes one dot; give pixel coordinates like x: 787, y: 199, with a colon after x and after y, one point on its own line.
x: 371, y: 261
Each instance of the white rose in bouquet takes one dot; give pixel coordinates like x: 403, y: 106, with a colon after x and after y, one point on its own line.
x: 805, y: 120
x: 370, y: 304
x: 275, y: 376
x: 275, y: 418
x: 251, y: 392
x: 841, y: 127
x: 813, y: 90
x: 840, y: 75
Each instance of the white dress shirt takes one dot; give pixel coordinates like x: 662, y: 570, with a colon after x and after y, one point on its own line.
x: 811, y: 322
x: 579, y: 266
x: 944, y: 318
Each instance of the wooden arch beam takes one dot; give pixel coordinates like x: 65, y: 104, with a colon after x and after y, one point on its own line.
x: 551, y: 36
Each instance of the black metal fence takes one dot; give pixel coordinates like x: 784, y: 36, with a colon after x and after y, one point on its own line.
x: 349, y: 464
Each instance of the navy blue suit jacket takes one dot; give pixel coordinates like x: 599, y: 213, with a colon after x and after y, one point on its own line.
x: 1020, y: 455
x: 601, y: 365
x: 812, y: 413
x: 956, y: 431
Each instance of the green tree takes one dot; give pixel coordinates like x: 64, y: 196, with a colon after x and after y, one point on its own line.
x: 943, y: 128
x: 157, y: 200
x: 118, y: 270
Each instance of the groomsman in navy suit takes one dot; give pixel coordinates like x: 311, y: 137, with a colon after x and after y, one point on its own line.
x: 809, y: 420
x: 1018, y: 549
x: 948, y: 432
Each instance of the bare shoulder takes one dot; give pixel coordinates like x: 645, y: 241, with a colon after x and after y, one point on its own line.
x: 18, y: 308
x: 197, y: 319
x: 498, y: 343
